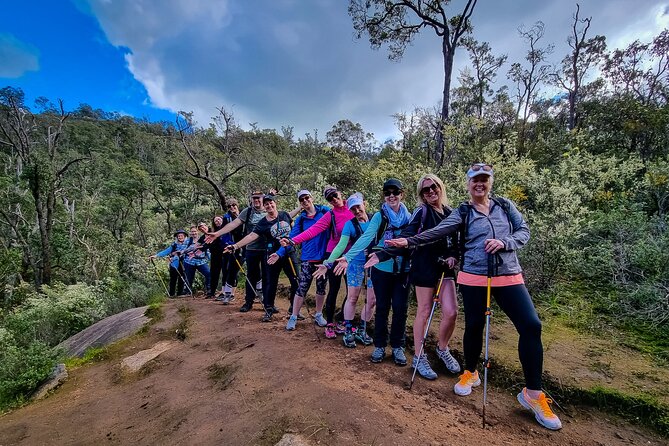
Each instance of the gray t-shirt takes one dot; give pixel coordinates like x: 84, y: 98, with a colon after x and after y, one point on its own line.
x: 250, y: 222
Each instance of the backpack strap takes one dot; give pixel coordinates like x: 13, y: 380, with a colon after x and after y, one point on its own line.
x: 423, y: 217
x: 358, y: 229
x: 464, y: 210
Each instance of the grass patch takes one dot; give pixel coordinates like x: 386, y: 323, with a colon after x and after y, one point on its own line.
x: 640, y: 409
x: 272, y: 433
x: 181, y: 328
x: 93, y: 354
x: 221, y: 375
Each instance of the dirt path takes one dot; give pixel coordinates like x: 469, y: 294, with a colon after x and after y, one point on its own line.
x: 236, y: 381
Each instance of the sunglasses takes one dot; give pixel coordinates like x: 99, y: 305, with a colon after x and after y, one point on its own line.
x: 304, y: 198
x: 230, y: 206
x: 481, y: 166
x: 332, y: 197
x: 395, y: 192
x: 426, y: 190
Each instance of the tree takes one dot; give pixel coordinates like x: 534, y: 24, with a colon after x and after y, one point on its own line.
x: 397, y: 22
x: 485, y: 66
x: 350, y: 136
x: 40, y: 163
x: 585, y: 54
x: 225, y: 156
x: 528, y: 78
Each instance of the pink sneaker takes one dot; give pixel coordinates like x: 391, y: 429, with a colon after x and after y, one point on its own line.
x: 340, y: 328
x: 330, y: 331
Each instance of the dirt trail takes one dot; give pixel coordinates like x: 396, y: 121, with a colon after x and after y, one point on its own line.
x: 236, y: 381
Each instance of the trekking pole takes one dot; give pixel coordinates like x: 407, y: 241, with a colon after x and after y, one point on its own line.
x: 488, y: 315
x: 183, y: 279
x: 363, y: 322
x: 160, y: 277
x: 435, y: 302
x: 290, y: 260
x: 241, y: 268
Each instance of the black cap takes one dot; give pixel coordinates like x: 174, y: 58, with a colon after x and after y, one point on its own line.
x: 393, y: 182
x: 180, y: 231
x: 269, y: 197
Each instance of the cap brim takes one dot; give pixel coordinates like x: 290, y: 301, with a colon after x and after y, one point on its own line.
x: 472, y: 174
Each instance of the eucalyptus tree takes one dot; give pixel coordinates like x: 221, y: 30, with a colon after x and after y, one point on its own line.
x: 396, y: 22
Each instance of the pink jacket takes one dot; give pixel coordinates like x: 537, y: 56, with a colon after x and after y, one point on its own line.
x: 342, y: 215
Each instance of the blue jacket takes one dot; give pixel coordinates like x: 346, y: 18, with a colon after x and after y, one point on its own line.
x: 312, y: 250
x: 176, y: 246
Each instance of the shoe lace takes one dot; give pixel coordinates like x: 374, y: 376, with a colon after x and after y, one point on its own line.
x: 466, y: 377
x: 543, y: 403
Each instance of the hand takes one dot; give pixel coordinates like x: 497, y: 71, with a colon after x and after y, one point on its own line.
x: 397, y: 243
x: 152, y: 257
x: 273, y: 191
x: 285, y: 242
x: 372, y: 260
x: 230, y: 249
x: 210, y: 237
x: 342, y: 265
x: 272, y: 259
x: 492, y: 245
x: 321, y: 271
x: 451, y: 262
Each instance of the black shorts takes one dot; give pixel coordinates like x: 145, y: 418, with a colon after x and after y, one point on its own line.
x: 427, y: 274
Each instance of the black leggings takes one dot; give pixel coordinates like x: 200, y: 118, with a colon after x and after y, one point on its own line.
x: 392, y: 292
x: 334, y: 283
x: 517, y: 304
x: 271, y: 279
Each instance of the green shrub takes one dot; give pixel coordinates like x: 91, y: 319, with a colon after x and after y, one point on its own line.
x: 22, y: 368
x: 53, y: 316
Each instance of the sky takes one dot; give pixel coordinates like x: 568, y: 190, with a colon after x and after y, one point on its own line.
x: 271, y: 62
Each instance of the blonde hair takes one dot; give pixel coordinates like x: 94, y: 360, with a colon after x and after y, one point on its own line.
x: 436, y: 180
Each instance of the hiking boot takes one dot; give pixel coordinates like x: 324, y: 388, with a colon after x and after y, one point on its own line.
x: 246, y: 307
x: 330, y: 331
x: 227, y: 299
x: 267, y: 317
x: 320, y: 320
x: 362, y: 337
x: 467, y: 381
x: 378, y: 354
x: 449, y: 361
x: 423, y: 367
x: 349, y: 340
x: 292, y: 321
x: 542, y: 411
x: 340, y: 328
x: 300, y: 317
x: 274, y: 310
x: 399, y: 357
x: 220, y: 297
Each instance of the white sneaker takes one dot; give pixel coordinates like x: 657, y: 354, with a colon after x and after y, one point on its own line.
x: 450, y: 362
x: 320, y: 320
x: 542, y: 411
x: 467, y: 381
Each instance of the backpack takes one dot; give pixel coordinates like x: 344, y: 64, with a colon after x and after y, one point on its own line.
x: 174, y: 247
x: 465, y: 209
x: 358, y: 228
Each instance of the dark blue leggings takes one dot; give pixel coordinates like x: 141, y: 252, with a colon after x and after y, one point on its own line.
x: 517, y: 304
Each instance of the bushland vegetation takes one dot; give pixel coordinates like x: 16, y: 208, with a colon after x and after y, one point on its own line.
x: 582, y: 146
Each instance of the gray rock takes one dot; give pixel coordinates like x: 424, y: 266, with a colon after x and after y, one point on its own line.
x: 106, y: 331
x: 57, y: 377
x: 135, y: 362
x: 293, y: 440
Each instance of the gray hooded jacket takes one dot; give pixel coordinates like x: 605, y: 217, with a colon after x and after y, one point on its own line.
x: 511, y: 230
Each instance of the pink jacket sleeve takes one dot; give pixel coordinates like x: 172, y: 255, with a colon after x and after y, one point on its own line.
x: 321, y: 225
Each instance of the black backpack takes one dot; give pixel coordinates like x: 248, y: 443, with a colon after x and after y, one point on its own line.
x: 465, y: 209
x: 358, y: 228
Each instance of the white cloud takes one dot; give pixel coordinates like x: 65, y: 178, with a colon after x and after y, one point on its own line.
x: 285, y: 62
x: 17, y: 57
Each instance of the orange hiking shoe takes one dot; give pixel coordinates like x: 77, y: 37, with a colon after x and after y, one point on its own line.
x: 467, y: 381
x: 541, y: 409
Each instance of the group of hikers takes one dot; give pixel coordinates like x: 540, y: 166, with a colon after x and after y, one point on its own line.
x: 386, y: 253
